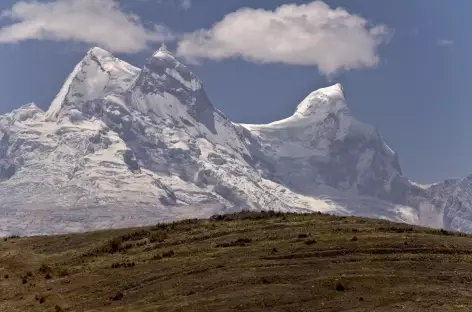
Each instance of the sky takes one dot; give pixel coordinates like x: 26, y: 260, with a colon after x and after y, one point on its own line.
x: 404, y: 64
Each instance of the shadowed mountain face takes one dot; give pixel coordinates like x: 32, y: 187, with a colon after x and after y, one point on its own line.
x: 123, y: 146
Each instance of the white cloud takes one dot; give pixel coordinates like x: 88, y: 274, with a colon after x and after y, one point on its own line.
x: 97, y: 22
x: 308, y: 34
x: 445, y: 43
x: 185, y: 4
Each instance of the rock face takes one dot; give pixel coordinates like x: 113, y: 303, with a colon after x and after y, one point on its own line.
x: 122, y: 146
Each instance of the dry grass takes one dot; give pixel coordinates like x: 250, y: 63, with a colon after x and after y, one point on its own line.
x: 241, y: 262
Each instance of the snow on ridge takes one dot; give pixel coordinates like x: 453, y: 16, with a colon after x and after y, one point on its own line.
x: 148, y: 150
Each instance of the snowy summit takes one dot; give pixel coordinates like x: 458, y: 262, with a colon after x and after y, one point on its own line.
x: 124, y: 146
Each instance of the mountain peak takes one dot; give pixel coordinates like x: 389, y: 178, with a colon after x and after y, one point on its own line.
x: 98, y: 52
x: 329, y: 100
x: 164, y: 53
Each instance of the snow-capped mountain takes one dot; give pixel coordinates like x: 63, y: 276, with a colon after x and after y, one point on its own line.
x: 123, y: 146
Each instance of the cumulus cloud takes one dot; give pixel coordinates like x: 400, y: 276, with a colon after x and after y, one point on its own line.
x: 307, y: 34
x: 445, y: 43
x: 97, y: 22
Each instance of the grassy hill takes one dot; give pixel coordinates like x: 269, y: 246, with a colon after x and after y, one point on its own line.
x: 241, y: 262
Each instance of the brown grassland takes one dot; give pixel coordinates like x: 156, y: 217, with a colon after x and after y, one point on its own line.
x: 242, y: 262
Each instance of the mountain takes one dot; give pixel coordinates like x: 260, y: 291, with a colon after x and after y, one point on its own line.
x: 123, y: 146
x: 293, y: 262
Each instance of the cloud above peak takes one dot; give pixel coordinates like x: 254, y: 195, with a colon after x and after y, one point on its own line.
x: 307, y: 34
x: 97, y: 22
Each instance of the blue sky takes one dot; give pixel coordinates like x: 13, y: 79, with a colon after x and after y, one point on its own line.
x: 417, y: 94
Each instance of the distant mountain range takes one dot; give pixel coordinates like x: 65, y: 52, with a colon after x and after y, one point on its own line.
x: 122, y: 146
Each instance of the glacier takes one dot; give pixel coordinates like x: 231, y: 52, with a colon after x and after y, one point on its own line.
x: 124, y: 146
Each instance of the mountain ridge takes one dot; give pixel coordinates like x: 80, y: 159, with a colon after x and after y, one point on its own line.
x: 122, y: 146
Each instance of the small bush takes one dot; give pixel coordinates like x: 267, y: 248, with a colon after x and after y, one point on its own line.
x: 5, y: 276
x: 168, y: 254
x: 118, y: 296
x: 58, y: 309
x: 10, y: 237
x: 40, y: 298
x: 361, y: 299
x: 157, y: 257
x: 44, y: 268
x: 47, y: 276
x: 310, y: 242
x: 274, y: 250
x: 29, y: 273
x: 354, y: 239
x: 302, y: 235
x: 158, y: 237
x: 339, y: 287
x: 134, y: 236
x: 63, y: 273
x: 24, y: 280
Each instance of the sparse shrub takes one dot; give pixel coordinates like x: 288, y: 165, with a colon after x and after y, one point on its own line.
x: 158, y: 237
x: 40, y: 298
x: 10, y: 237
x: 361, y: 299
x: 247, y: 215
x: 142, y: 243
x: 63, y: 273
x: 24, y: 280
x: 444, y: 232
x: 127, y: 246
x: 168, y: 254
x: 241, y: 242
x: 310, y: 242
x: 44, y: 268
x: 136, y: 235
x: 118, y: 296
x: 29, y: 273
x: 47, y: 276
x: 126, y: 264
x: 58, y: 309
x: 5, y: 276
x: 157, y: 257
x: 265, y: 281
x: 302, y: 235
x: 339, y: 287
x: 354, y: 239
x: 274, y: 250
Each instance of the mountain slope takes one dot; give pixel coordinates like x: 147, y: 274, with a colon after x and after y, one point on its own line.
x: 122, y: 146
x: 286, y: 262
